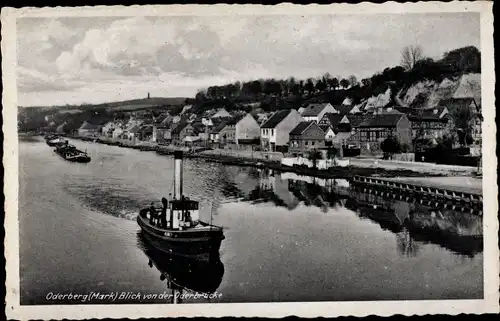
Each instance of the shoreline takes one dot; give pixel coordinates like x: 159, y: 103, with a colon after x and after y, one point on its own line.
x: 427, y: 175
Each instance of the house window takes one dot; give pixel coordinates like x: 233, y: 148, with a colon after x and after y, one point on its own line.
x: 312, y: 143
x: 306, y: 143
x: 272, y: 132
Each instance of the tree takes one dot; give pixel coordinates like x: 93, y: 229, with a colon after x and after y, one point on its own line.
x: 410, y: 55
x: 390, y: 146
x: 331, y: 153
x: 314, y: 156
x: 466, y: 59
x: 344, y: 83
x: 334, y: 83
x: 310, y: 86
x: 353, y: 81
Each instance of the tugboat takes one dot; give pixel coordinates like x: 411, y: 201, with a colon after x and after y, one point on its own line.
x: 71, y: 154
x: 180, y: 231
x: 183, y: 274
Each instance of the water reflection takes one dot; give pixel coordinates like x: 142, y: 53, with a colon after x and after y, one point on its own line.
x: 413, y: 221
x: 183, y: 275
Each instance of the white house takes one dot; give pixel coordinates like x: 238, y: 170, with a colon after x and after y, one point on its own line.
x: 88, y: 129
x: 274, y: 133
x: 314, y: 112
x: 221, y: 113
x: 117, y: 132
x: 246, y: 128
x: 207, y: 122
x: 329, y: 133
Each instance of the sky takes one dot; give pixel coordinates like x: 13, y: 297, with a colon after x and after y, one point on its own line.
x: 76, y: 60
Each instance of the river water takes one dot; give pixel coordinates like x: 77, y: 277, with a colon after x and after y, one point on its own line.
x: 287, y: 238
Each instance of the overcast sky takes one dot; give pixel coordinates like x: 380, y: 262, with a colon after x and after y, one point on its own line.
x: 91, y: 60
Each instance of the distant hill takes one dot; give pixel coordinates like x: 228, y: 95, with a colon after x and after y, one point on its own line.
x: 127, y: 105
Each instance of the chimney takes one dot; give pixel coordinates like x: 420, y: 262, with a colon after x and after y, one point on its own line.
x: 177, y: 174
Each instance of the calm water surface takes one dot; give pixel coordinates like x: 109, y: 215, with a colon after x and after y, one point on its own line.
x: 287, y: 238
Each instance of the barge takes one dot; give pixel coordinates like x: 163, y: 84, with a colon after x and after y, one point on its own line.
x: 71, y: 153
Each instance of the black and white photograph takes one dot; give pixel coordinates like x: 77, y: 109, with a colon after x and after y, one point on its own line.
x: 168, y: 160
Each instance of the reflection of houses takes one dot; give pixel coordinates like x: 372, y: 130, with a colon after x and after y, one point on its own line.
x: 458, y: 231
x: 274, y: 133
x: 273, y: 189
x: 373, y: 131
x: 306, y: 136
x: 314, y: 112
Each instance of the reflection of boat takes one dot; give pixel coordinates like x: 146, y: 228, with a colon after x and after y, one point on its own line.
x: 182, y: 232
x: 70, y: 153
x: 202, y: 277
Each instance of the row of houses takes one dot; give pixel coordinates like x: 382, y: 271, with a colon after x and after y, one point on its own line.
x: 296, y: 131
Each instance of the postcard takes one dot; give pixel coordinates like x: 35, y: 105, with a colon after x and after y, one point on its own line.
x: 248, y: 160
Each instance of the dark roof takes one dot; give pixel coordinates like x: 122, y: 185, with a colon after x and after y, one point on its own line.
x: 324, y: 128
x: 301, y: 127
x: 356, y: 120
x: 217, y: 129
x: 343, y: 109
x: 87, y: 125
x: 334, y: 118
x: 314, y: 109
x: 456, y: 104
x: 134, y: 129
x: 382, y: 120
x: 198, y: 126
x: 234, y: 120
x: 276, y: 118
x: 180, y: 126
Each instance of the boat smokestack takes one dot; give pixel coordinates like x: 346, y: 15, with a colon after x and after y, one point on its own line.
x: 177, y: 174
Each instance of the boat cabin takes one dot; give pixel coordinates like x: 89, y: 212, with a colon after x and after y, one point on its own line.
x: 180, y: 214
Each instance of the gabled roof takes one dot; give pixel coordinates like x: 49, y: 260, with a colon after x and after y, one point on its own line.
x: 313, y: 110
x: 234, y: 120
x: 356, y: 120
x: 433, y: 114
x: 457, y: 104
x: 301, y: 127
x: 134, y: 129
x: 382, y: 120
x: 217, y: 129
x: 275, y: 119
x: 343, y: 109
x: 334, y: 118
x: 324, y: 128
x: 87, y: 125
x: 180, y: 127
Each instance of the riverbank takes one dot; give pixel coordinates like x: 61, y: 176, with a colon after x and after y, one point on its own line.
x: 424, y: 173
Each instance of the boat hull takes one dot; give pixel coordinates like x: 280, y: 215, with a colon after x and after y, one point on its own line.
x: 200, y: 245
